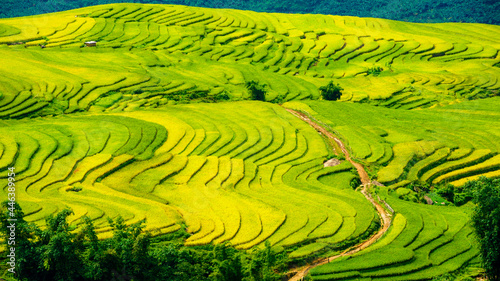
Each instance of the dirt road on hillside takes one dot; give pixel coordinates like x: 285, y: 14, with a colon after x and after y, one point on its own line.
x: 385, y: 217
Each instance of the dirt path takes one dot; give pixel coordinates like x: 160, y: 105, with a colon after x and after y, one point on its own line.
x: 385, y: 217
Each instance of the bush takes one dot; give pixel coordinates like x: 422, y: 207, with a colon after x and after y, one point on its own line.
x: 222, y: 96
x: 355, y: 182
x: 331, y: 91
x: 257, y: 91
x: 74, y: 188
x: 375, y: 71
x: 279, y: 99
x: 458, y: 195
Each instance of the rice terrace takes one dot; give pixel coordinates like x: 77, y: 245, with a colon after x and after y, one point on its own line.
x: 155, y: 125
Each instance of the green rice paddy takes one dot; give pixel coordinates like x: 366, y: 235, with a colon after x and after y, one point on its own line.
x: 155, y: 54
x: 448, y: 144
x: 434, y: 145
x: 242, y: 172
x: 119, y: 129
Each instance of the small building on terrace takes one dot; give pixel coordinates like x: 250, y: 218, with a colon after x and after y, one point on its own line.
x: 90, y: 43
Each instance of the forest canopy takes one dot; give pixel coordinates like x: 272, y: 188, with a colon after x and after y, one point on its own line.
x: 476, y: 11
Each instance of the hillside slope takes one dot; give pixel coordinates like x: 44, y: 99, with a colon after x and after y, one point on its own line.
x: 152, y: 55
x: 450, y: 144
x: 152, y: 124
x: 243, y: 172
x: 410, y: 151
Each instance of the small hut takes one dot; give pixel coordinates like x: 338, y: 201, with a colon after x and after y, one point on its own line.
x: 91, y: 43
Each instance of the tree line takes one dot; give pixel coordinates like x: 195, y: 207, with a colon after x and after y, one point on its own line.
x: 60, y: 252
x: 480, y: 11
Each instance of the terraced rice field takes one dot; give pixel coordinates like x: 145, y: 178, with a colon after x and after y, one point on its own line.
x: 104, y: 130
x: 423, y: 242
x: 450, y: 144
x: 240, y: 172
x: 147, y: 53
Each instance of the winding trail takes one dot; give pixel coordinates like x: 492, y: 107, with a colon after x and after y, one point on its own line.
x: 385, y: 217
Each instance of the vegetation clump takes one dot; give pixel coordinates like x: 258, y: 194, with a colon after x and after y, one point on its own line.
x: 257, y: 91
x: 375, y: 71
x: 458, y: 195
x: 331, y: 91
x: 197, y: 96
x: 74, y: 188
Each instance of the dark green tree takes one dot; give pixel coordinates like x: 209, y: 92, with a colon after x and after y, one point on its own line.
x: 127, y: 252
x: 61, y: 248
x: 486, y: 221
x: 458, y: 195
x: 331, y: 91
x: 265, y: 263
x: 28, y: 256
x: 257, y: 91
x: 226, y: 264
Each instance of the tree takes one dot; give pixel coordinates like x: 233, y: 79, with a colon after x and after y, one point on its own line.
x: 257, y: 91
x: 331, y: 91
x: 59, y: 253
x: 265, y: 263
x: 127, y: 253
x: 226, y: 264
x: 28, y: 255
x: 486, y: 221
x: 62, y: 248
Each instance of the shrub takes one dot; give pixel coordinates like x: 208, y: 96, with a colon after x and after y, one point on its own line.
x: 375, y: 71
x: 279, y: 99
x: 197, y: 95
x: 257, y: 91
x: 331, y: 91
x: 221, y: 97
x: 355, y: 182
x: 74, y: 188
x: 458, y: 195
